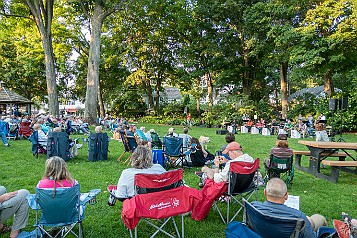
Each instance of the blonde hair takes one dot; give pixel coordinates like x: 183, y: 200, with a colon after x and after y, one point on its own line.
x: 141, y: 158
x: 57, y: 129
x: 56, y: 170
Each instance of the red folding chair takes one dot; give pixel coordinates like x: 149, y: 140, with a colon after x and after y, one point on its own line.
x: 159, y: 196
x: 241, y: 184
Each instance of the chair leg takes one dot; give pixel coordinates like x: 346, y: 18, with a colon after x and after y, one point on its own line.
x: 80, y: 226
x: 121, y: 156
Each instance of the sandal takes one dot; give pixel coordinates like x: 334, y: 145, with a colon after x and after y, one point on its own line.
x: 5, y: 228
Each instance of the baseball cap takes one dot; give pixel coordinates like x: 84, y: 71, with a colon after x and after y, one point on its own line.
x: 232, y: 146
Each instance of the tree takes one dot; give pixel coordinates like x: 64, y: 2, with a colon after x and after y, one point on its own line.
x: 328, y: 38
x: 41, y: 12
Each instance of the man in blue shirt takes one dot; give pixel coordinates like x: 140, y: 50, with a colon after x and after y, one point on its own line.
x: 276, y: 194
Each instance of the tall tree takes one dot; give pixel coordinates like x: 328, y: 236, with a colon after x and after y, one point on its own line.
x: 41, y: 12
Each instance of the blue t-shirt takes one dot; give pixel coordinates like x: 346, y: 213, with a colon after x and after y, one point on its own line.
x: 282, y: 210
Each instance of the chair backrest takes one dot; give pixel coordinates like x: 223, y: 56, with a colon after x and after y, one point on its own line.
x: 155, y: 140
x: 59, y: 208
x: 58, y: 145
x: 148, y: 183
x: 34, y: 141
x: 141, y: 134
x: 186, y: 140
x: 98, y: 146
x: 173, y: 146
x: 4, y: 127
x: 269, y: 226
x: 280, y: 165
x: 129, y: 143
x: 241, y: 176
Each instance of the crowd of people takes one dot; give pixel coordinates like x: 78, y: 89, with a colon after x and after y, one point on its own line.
x: 213, y: 167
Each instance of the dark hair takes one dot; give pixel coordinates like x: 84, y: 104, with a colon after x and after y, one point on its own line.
x: 185, y: 130
x: 197, y: 142
x: 230, y: 137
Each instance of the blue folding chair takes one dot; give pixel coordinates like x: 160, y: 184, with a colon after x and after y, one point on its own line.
x: 37, y: 148
x: 269, y: 226
x: 173, y: 151
x: 129, y: 143
x: 60, y: 208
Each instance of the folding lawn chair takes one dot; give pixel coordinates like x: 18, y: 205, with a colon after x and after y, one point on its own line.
x: 159, y: 196
x: 98, y: 146
x: 129, y: 143
x: 25, y: 130
x: 173, y: 151
x: 280, y: 167
x: 270, y: 226
x: 242, y: 184
x: 155, y: 140
x: 13, y: 131
x: 37, y: 148
x: 58, y: 145
x: 59, y: 212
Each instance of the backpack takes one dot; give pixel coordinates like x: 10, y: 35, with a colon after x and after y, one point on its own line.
x: 98, y: 146
x: 58, y: 145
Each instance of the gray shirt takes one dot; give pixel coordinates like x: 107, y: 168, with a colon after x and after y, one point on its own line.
x: 125, y: 186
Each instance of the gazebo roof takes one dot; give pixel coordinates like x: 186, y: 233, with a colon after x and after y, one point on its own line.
x: 8, y: 96
x: 317, y: 91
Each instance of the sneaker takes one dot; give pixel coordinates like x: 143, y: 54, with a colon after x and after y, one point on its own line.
x: 342, y: 229
x: 199, y: 174
x: 7, y: 145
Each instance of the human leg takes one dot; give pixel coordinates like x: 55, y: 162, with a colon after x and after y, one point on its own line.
x: 4, y: 139
x: 209, y: 172
x: 18, y: 207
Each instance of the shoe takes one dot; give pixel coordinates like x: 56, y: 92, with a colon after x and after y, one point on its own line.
x: 7, y: 145
x: 199, y: 174
x: 342, y: 229
x: 5, y: 228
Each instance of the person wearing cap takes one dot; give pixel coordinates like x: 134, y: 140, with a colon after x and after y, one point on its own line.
x: 234, y: 151
x: 281, y: 150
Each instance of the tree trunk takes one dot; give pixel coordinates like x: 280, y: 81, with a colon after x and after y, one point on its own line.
x: 158, y: 87
x: 284, y: 88
x: 100, y: 101
x: 50, y: 76
x: 198, y: 105
x: 91, y: 103
x: 328, y: 84
x: 43, y: 14
x: 246, y: 81
x: 149, y: 93
x: 209, y: 91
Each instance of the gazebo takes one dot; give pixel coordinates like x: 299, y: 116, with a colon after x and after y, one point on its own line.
x: 316, y: 91
x: 9, y: 97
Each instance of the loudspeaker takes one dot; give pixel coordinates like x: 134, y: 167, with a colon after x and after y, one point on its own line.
x: 333, y: 104
x: 221, y: 132
x: 343, y: 103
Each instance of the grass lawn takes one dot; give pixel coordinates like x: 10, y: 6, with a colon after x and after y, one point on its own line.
x: 20, y: 169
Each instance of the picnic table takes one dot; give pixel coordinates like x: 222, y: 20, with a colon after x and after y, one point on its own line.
x: 319, y: 151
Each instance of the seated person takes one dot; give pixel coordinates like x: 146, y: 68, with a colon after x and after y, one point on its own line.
x: 172, y: 132
x: 199, y: 156
x: 42, y: 137
x: 186, y: 137
x: 281, y: 150
x: 25, y: 129
x: 98, y: 129
x: 274, y: 127
x: 230, y: 137
x: 249, y: 124
x: 13, y: 204
x: 260, y: 125
x: 320, y: 132
x: 56, y: 175
x: 234, y: 151
x: 276, y: 194
x: 131, y: 131
x: 141, y: 162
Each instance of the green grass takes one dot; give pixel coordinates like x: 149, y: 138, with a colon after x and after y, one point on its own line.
x: 20, y: 169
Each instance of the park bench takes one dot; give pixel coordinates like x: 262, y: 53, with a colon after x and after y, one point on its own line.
x: 336, y: 166
x: 299, y: 153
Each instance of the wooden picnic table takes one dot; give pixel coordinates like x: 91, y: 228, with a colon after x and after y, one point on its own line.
x: 319, y: 151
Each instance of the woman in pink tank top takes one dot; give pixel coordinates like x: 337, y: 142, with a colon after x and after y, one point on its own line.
x: 56, y: 175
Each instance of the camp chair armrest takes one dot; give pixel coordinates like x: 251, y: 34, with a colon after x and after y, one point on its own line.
x: 31, y: 199
x: 85, y: 197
